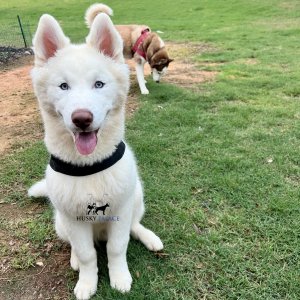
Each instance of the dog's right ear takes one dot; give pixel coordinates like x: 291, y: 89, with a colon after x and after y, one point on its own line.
x: 48, y: 38
x: 104, y: 37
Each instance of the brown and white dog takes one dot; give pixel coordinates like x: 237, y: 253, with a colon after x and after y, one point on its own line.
x: 140, y: 44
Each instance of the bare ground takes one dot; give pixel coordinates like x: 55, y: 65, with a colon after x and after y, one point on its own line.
x: 19, y: 117
x: 29, y: 271
x: 20, y: 122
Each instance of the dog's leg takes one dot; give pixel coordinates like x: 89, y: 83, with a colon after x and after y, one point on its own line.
x: 83, y: 254
x: 74, y: 261
x: 60, y: 227
x: 138, y: 231
x: 117, y: 242
x: 62, y: 233
x: 83, y: 246
x: 39, y: 189
x: 147, y: 237
x: 139, y: 68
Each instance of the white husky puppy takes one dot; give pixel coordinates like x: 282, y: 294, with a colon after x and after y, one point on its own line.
x: 81, y: 91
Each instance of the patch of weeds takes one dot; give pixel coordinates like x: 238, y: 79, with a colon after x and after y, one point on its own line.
x: 24, y: 257
x: 41, y: 228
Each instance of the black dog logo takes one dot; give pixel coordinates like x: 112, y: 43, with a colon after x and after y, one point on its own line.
x: 91, y: 208
x: 103, y: 208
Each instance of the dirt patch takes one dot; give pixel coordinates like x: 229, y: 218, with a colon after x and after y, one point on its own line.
x: 183, y: 71
x: 19, y: 117
x: 46, y: 282
x: 46, y: 277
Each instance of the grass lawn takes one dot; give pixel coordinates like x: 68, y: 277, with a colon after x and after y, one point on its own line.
x: 220, y: 165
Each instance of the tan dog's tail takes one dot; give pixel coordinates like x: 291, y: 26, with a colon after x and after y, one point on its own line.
x: 94, y: 10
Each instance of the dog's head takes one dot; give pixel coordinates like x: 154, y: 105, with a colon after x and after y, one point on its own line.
x: 159, y: 64
x: 157, y: 56
x: 80, y: 86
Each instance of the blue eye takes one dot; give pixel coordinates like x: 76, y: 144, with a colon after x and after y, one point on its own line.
x: 64, y: 86
x: 99, y: 84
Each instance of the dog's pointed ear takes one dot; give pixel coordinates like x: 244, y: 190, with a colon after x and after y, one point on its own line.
x: 170, y: 60
x: 105, y: 38
x: 48, y: 38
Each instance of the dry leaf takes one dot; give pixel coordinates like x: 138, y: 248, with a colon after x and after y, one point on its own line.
x: 199, y: 266
x: 161, y: 254
x: 197, y: 229
x: 11, y: 243
x: 39, y: 263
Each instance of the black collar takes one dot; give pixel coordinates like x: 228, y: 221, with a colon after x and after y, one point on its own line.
x: 74, y: 170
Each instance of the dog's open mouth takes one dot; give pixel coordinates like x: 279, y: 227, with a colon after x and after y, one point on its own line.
x: 86, y: 142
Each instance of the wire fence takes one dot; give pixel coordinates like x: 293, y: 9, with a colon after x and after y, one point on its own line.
x: 15, y: 39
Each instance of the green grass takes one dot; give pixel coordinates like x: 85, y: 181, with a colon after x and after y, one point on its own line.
x: 221, y: 167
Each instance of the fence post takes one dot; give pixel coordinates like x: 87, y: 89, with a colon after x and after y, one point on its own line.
x: 23, y: 35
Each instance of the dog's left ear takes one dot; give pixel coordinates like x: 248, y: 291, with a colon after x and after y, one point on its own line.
x: 48, y: 39
x: 170, y: 60
x: 104, y: 37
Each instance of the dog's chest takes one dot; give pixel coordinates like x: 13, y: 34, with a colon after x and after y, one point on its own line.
x: 100, y: 194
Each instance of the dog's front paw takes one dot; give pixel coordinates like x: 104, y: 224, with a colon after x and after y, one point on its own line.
x: 145, y: 92
x: 120, y: 281
x: 85, y: 289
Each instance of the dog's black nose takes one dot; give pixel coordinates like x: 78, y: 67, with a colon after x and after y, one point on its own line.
x: 82, y: 118
x: 157, y: 81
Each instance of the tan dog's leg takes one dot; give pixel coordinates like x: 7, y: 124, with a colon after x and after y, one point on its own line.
x: 139, y: 68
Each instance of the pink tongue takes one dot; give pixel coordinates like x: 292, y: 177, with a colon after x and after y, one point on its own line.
x: 85, y: 142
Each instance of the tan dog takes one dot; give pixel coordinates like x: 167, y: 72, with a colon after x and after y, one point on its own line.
x: 140, y: 44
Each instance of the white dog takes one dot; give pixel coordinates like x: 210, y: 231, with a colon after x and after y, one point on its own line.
x: 82, y: 91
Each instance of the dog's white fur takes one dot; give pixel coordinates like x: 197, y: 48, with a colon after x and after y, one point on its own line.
x: 80, y: 66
